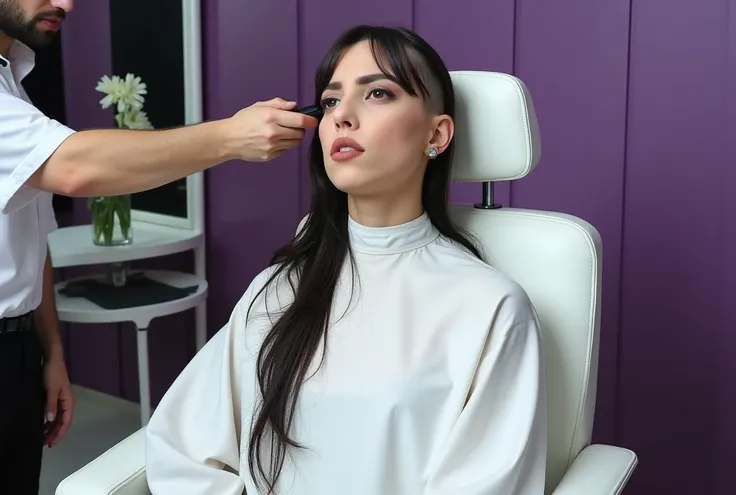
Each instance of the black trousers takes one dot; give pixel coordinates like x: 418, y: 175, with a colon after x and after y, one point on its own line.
x: 22, y: 410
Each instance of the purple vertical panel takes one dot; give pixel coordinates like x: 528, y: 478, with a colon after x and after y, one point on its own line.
x: 573, y: 57
x: 320, y: 23
x: 726, y: 450
x: 677, y: 139
x: 86, y: 51
x: 251, y: 207
x: 92, y: 352
x: 470, y: 35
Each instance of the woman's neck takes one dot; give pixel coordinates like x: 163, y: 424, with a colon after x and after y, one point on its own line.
x: 381, y: 212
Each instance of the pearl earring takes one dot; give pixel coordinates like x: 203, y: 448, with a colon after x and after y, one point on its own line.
x: 432, y: 153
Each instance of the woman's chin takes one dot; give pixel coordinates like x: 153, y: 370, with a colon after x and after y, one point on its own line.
x: 357, y: 186
x: 349, y: 179
x: 353, y: 188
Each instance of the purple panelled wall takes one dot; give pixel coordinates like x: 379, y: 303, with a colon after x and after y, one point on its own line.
x: 676, y: 374
x: 726, y: 179
x: 251, y: 208
x: 637, y: 106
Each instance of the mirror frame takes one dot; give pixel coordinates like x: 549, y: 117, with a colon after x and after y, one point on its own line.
x: 193, y: 110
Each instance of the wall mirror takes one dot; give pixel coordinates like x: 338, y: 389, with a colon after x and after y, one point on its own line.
x: 160, y: 41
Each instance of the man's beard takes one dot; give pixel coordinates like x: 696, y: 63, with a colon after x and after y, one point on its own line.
x: 14, y: 24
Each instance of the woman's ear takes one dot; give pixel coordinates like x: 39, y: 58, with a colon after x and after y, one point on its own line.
x: 444, y: 130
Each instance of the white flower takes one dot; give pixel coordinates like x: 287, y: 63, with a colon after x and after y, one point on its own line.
x: 125, y: 93
x: 134, y: 120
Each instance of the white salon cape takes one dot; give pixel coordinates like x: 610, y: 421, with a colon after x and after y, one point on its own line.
x: 432, y: 384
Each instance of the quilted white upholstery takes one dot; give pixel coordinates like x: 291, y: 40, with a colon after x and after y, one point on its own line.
x: 555, y: 257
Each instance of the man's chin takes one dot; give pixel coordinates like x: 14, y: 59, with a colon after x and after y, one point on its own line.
x: 39, y: 39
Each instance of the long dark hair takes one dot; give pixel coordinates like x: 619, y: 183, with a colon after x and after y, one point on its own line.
x: 313, y: 261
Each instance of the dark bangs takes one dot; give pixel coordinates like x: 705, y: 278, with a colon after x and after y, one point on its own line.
x: 395, y: 53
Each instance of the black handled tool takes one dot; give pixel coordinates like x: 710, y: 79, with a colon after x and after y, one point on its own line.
x: 312, y: 110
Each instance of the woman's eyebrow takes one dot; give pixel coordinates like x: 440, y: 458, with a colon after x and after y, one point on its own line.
x: 361, y: 81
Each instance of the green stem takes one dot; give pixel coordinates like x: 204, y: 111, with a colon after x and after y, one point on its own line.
x: 104, y: 211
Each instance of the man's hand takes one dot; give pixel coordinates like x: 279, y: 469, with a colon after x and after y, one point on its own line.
x: 264, y: 130
x: 59, y: 397
x: 59, y: 400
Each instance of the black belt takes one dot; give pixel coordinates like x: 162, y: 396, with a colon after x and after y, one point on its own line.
x: 13, y: 324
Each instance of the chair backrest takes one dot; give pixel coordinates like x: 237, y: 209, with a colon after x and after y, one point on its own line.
x: 555, y: 257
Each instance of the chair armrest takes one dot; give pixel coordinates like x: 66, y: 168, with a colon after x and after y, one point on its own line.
x: 598, y: 470
x: 119, y: 471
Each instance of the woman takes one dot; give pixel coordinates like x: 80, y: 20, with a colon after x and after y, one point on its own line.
x: 378, y: 354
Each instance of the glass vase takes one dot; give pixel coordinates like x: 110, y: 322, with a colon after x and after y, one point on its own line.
x: 111, y: 225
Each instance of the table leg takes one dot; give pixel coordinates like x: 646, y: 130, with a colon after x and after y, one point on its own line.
x: 144, y: 387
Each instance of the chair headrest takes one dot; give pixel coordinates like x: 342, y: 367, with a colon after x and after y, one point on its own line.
x: 496, y: 128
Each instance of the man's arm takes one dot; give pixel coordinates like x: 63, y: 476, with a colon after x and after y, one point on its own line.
x: 121, y: 161
x: 59, y: 396
x: 118, y: 161
x: 47, y: 320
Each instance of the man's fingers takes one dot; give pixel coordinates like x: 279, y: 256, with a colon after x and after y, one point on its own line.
x: 277, y: 154
x: 287, y: 144
x: 50, y: 433
x: 61, y: 427
x: 279, y: 103
x: 279, y: 133
x: 52, y: 396
x: 295, y: 120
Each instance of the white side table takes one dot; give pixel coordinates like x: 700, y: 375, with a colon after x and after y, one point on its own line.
x: 81, y: 310
x: 72, y: 246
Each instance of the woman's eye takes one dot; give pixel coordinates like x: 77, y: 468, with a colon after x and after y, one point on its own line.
x: 328, y: 103
x: 379, y: 93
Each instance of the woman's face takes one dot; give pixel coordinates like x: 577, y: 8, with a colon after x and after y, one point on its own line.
x: 374, y: 135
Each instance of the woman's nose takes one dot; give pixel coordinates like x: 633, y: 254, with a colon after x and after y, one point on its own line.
x: 344, y: 116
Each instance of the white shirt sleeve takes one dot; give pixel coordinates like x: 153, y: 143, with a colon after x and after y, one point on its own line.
x: 193, y: 437
x: 47, y: 213
x: 498, y: 445
x: 27, y: 139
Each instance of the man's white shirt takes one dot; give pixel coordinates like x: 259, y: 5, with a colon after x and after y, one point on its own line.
x: 27, y: 139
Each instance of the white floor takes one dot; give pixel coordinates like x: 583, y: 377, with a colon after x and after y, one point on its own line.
x: 100, y: 421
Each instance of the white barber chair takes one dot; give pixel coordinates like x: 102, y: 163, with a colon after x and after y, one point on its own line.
x: 555, y: 257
